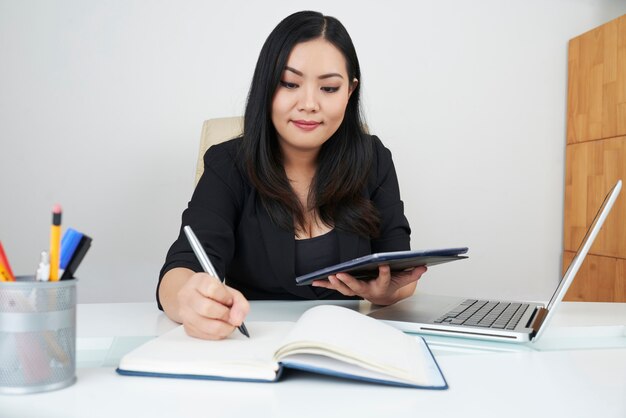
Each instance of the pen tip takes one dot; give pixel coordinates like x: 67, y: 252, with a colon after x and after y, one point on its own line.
x: 244, y: 330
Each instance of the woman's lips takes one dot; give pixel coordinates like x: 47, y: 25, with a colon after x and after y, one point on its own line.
x: 306, y: 125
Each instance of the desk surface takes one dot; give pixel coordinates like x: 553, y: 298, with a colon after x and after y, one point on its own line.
x: 512, y: 381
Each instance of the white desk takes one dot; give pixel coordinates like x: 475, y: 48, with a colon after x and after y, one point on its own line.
x: 579, y: 382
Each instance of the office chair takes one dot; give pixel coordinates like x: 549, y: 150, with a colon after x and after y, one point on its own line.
x: 215, y: 131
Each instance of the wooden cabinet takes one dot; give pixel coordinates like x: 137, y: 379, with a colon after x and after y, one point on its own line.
x: 595, y: 159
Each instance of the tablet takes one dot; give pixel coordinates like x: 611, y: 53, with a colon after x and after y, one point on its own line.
x: 366, y: 267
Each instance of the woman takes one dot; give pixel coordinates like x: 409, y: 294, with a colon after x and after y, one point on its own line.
x: 302, y: 189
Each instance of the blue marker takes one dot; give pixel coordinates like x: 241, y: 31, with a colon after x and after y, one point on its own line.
x: 69, y: 243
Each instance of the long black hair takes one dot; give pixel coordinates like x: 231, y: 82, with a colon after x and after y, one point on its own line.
x: 337, y: 190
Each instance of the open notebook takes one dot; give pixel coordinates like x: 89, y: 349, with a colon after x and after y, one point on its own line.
x: 327, y: 339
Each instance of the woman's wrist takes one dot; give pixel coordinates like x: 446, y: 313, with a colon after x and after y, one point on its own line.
x: 386, y: 299
x: 169, y: 289
x: 399, y: 294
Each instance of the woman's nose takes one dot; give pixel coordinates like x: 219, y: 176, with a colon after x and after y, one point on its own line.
x: 309, y: 101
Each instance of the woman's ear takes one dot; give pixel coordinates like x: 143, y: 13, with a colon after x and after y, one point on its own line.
x: 353, y: 85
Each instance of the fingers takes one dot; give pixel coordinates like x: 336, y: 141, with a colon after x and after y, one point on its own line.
x: 404, y: 278
x: 207, y: 329
x: 384, y: 274
x: 240, y: 307
x: 322, y: 283
x: 335, y: 284
x: 419, y: 271
x: 350, y: 286
x: 212, y: 288
x: 209, y: 309
x: 384, y: 288
x: 341, y: 282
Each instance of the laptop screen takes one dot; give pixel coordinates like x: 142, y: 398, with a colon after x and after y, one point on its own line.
x: 583, y: 248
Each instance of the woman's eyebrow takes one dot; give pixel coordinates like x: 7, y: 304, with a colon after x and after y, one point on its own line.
x: 322, y: 77
x: 330, y: 75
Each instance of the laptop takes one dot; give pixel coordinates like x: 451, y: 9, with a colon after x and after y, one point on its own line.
x: 506, y: 321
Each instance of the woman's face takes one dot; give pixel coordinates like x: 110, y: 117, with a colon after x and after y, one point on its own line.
x: 310, y: 101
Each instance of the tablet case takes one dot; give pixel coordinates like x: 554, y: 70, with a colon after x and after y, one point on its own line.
x: 366, y: 267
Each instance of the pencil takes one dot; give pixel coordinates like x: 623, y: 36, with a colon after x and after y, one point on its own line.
x: 55, y: 243
x: 5, y: 276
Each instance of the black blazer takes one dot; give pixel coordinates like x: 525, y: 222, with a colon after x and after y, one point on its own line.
x: 255, y: 255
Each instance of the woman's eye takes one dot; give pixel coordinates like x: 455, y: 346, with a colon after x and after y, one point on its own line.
x: 330, y: 89
x: 288, y: 85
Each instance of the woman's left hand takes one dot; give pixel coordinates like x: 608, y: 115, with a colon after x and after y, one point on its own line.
x: 386, y: 289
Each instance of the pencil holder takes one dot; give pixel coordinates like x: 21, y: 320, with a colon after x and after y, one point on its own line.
x: 37, y: 335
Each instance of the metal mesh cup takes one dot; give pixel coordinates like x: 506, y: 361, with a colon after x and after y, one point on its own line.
x: 37, y: 335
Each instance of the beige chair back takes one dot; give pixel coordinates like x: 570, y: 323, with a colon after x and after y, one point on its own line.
x: 215, y: 131
x: 219, y: 130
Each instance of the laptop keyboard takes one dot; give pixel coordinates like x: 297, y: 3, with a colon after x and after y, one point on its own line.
x: 483, y: 313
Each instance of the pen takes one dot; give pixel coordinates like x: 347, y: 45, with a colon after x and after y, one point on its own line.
x: 203, y: 258
x: 55, y: 243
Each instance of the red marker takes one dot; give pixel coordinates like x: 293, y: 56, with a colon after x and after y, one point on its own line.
x: 55, y: 243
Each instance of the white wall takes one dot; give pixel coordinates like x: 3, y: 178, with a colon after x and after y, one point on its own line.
x: 101, y: 105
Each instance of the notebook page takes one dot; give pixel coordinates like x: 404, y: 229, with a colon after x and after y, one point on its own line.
x: 357, y: 339
x: 330, y: 366
x: 236, y: 357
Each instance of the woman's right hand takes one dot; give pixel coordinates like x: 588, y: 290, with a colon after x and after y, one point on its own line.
x: 209, y: 309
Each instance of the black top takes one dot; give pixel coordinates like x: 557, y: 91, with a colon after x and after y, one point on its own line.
x: 316, y: 253
x: 256, y: 256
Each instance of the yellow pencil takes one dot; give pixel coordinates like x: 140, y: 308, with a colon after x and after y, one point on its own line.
x: 55, y: 243
x: 5, y: 276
